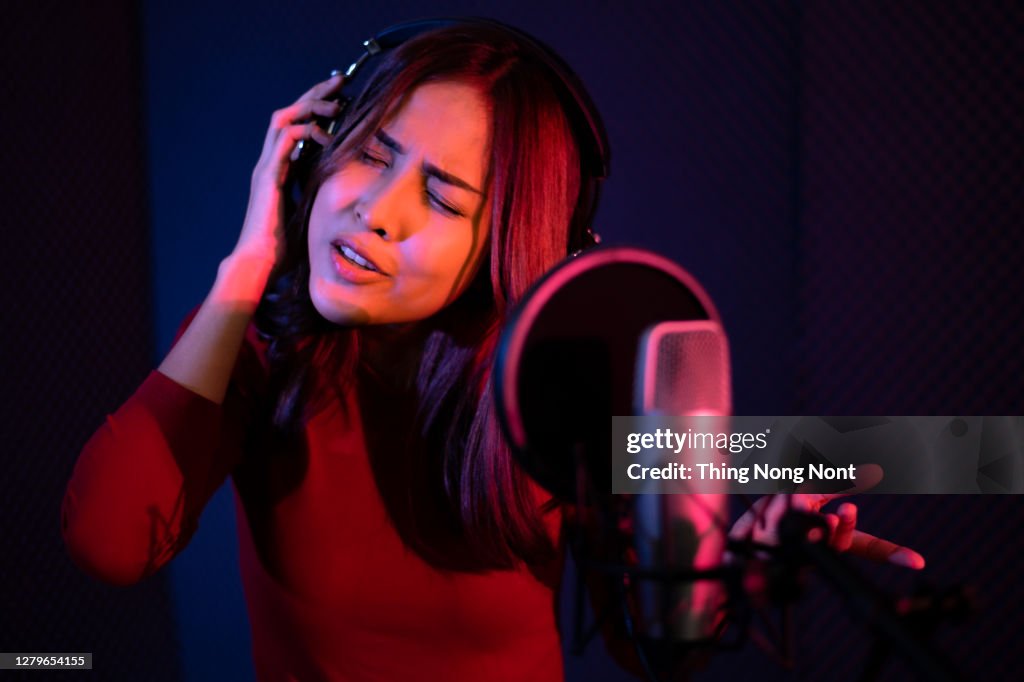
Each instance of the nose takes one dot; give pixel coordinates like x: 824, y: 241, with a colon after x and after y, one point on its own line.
x: 391, y: 206
x: 371, y: 222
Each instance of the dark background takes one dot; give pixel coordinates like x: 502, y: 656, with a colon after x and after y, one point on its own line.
x: 844, y: 178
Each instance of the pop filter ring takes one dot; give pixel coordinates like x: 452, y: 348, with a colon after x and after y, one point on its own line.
x: 537, y: 330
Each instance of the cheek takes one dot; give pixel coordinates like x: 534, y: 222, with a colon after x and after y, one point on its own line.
x: 317, y: 220
x: 340, y: 190
x: 335, y: 195
x: 447, y: 256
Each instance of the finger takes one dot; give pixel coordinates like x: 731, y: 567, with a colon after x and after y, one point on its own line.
x: 299, y: 112
x: 323, y: 88
x: 877, y: 549
x: 304, y: 110
x: 842, y: 534
x: 866, y: 477
x: 814, y: 534
x: 771, y: 514
x: 833, y: 524
x: 275, y: 165
x: 294, y: 133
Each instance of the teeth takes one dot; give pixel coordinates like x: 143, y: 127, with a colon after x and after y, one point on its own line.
x: 355, y: 257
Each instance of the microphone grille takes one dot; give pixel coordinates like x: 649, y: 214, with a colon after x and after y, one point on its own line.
x: 684, y: 369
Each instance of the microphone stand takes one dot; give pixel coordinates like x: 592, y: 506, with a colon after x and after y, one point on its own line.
x: 862, y: 599
x: 609, y: 524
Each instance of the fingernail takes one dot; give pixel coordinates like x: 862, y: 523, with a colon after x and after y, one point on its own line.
x: 908, y: 558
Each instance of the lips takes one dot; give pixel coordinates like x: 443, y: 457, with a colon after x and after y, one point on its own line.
x: 357, y: 256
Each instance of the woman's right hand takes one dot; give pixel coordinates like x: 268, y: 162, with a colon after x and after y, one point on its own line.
x: 263, y: 230
x: 761, y: 522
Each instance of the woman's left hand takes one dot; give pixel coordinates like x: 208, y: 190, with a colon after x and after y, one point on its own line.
x: 760, y: 523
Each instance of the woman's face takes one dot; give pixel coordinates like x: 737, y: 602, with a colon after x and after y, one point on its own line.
x: 398, y: 232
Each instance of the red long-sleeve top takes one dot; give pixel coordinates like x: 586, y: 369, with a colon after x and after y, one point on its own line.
x: 332, y: 592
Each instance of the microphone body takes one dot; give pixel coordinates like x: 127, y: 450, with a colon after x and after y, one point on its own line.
x: 682, y: 369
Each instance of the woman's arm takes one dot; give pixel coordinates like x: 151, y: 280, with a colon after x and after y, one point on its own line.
x: 203, y: 359
x: 204, y: 356
x: 144, y: 477
x: 142, y: 480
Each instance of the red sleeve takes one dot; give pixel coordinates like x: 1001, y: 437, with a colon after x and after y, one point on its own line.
x: 142, y: 480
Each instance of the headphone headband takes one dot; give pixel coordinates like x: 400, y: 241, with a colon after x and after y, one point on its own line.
x: 584, y: 119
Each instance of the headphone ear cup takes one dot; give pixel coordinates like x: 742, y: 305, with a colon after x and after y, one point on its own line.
x: 581, y: 231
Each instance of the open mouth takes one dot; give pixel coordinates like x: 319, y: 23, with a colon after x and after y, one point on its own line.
x: 350, y: 255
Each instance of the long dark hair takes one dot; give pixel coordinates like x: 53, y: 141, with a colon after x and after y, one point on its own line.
x: 483, y: 501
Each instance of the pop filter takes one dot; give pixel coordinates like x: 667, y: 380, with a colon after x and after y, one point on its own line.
x: 567, y: 357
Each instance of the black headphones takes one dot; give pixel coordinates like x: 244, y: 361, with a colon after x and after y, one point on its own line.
x: 583, y: 116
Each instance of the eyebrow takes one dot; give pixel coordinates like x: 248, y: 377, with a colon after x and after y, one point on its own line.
x: 428, y: 168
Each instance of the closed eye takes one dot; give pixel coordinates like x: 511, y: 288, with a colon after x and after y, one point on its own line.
x: 438, y: 201
x: 372, y: 158
x: 381, y: 160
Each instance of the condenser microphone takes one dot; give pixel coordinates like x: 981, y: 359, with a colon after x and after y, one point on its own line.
x: 682, y: 369
x: 567, y: 365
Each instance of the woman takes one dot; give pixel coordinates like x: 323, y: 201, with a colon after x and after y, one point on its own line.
x: 338, y: 371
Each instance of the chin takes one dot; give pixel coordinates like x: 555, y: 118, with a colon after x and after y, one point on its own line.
x: 340, y: 305
x: 350, y: 314
x: 338, y: 312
